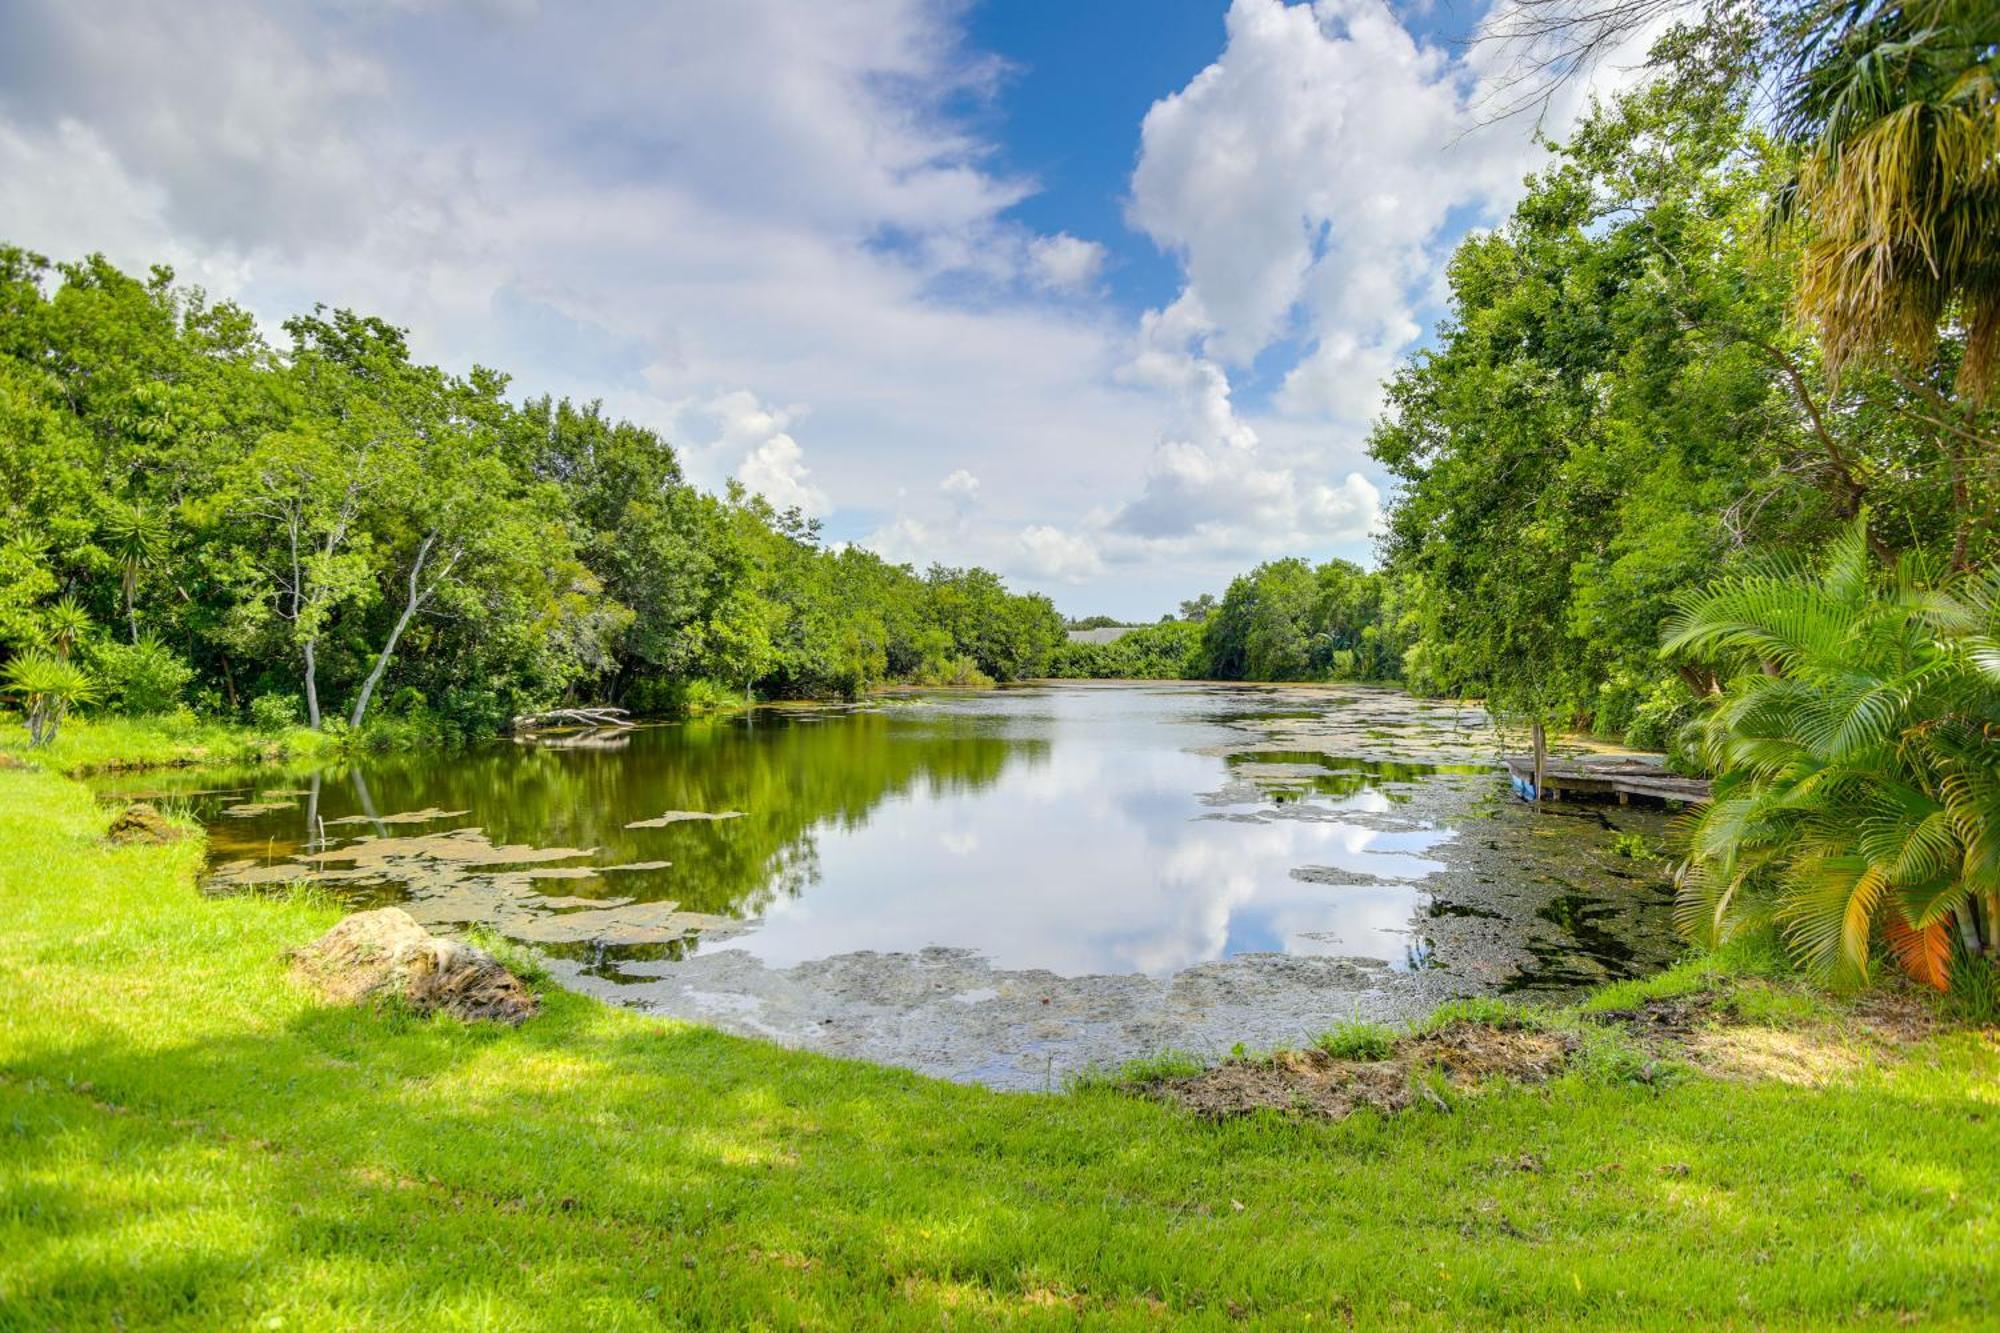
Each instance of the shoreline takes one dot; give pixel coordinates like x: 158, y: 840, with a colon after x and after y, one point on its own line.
x: 197, y: 1139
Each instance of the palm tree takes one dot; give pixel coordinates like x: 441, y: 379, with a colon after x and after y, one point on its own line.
x: 1896, y: 107
x: 138, y: 538
x: 1857, y: 760
x: 49, y: 687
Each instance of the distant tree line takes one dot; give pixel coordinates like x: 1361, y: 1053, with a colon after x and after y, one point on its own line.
x: 325, y: 529
x: 1284, y: 620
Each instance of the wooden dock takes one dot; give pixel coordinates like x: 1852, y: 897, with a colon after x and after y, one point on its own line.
x: 1603, y: 777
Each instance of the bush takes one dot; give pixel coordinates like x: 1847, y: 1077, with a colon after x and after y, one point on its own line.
x: 275, y: 712
x: 1660, y: 719
x: 1857, y: 789
x: 959, y: 673
x: 142, y: 677
x: 699, y: 698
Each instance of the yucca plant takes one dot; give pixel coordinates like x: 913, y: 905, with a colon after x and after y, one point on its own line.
x: 1856, y: 757
x: 64, y: 626
x: 138, y: 538
x: 49, y: 686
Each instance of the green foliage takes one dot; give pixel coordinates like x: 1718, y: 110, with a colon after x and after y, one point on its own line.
x: 1633, y: 847
x: 1856, y: 749
x: 960, y: 673
x: 1287, y: 620
x: 47, y: 687
x: 336, y: 522
x: 1169, y: 650
x: 65, y: 624
x: 275, y: 711
x: 1618, y: 409
x: 140, y: 677
x: 1974, y: 995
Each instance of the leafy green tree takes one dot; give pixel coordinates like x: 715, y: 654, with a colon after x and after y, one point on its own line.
x: 336, y: 519
x: 303, y: 490
x: 1619, y: 407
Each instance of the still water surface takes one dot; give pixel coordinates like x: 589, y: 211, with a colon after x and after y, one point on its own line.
x: 1070, y: 832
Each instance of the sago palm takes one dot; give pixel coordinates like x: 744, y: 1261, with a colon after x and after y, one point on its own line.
x: 1857, y: 760
x: 1896, y: 106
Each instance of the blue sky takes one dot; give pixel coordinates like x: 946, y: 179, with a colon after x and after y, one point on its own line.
x: 1080, y: 78
x: 1100, y: 294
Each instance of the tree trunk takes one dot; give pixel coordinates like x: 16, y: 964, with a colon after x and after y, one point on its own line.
x: 411, y: 604
x: 312, y: 687
x: 381, y: 665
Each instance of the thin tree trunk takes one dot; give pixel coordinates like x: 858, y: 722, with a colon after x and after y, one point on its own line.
x: 412, y: 602
x: 314, y: 843
x: 229, y: 684
x: 312, y: 687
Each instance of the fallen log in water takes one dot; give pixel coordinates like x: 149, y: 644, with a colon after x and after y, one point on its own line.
x: 595, y: 716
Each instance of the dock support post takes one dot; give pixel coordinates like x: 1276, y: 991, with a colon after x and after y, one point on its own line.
x: 1541, y: 761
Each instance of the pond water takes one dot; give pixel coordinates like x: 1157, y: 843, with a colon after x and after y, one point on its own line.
x: 1006, y: 886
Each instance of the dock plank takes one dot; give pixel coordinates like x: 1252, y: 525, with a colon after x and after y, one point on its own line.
x: 1619, y: 776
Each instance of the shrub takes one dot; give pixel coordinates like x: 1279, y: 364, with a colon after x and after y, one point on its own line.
x: 275, y: 712
x: 142, y: 677
x: 1857, y: 779
x: 48, y: 687
x: 960, y: 673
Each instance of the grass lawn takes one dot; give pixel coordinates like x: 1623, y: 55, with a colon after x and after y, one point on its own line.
x: 109, y: 742
x: 187, y: 1138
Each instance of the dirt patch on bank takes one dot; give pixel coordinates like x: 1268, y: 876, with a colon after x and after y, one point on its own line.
x: 1314, y: 1084
x: 1747, y: 1032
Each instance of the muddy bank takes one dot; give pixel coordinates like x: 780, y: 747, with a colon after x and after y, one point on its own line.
x: 1522, y: 904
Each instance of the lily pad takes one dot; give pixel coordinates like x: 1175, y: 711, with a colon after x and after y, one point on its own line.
x: 679, y: 816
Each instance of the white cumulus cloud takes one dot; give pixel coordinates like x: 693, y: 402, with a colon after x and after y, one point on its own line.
x: 767, y: 459
x: 1066, y: 557
x: 1063, y: 262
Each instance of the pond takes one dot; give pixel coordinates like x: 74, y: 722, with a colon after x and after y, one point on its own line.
x: 1007, y: 886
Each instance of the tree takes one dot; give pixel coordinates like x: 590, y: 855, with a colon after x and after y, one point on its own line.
x: 307, y: 485
x: 1897, y: 109
x: 1619, y: 407
x: 137, y: 538
x: 66, y: 625
x: 1198, y: 609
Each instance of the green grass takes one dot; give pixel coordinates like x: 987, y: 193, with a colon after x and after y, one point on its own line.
x: 188, y: 1139
x: 1359, y: 1041
x: 97, y: 744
